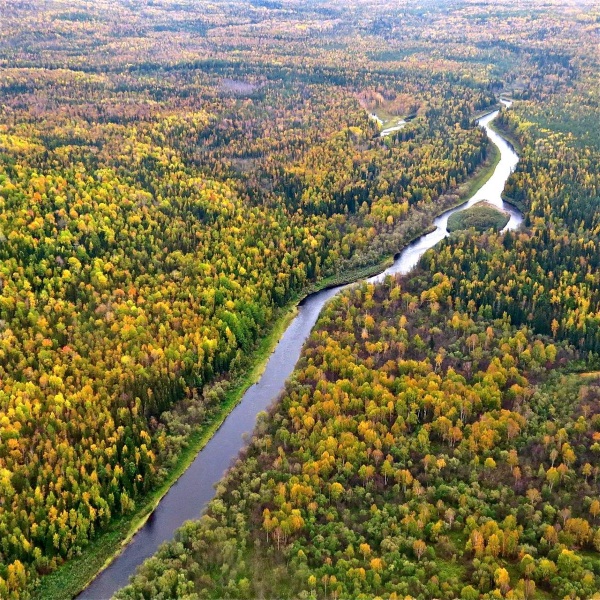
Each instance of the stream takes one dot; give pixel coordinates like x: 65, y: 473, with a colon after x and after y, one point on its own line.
x: 188, y: 497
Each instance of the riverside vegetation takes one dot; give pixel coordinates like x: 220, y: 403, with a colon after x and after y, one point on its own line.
x: 156, y: 216
x: 154, y: 220
x: 436, y: 440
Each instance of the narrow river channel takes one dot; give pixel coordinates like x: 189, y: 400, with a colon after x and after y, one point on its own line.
x: 195, y: 488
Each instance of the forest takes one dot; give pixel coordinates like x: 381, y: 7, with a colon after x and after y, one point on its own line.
x: 174, y: 176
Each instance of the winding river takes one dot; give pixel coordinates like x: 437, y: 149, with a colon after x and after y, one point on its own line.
x: 187, y: 498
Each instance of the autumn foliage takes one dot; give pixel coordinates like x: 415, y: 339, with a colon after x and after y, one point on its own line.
x: 173, y: 177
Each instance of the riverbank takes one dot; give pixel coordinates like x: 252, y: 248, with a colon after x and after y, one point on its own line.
x: 487, y: 111
x: 508, y: 136
x: 513, y: 142
x: 75, y: 575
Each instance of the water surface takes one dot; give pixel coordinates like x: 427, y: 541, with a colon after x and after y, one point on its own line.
x: 188, y: 497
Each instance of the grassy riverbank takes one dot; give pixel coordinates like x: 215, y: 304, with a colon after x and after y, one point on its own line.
x: 76, y: 574
x: 481, y: 175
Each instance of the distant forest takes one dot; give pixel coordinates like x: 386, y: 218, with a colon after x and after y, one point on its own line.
x: 175, y: 176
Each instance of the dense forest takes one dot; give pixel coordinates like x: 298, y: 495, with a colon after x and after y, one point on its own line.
x: 174, y: 176
x: 439, y: 437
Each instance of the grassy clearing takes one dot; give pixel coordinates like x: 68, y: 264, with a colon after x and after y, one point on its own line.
x: 450, y: 570
x: 72, y: 577
x: 481, y: 217
x: 458, y: 538
x: 387, y: 118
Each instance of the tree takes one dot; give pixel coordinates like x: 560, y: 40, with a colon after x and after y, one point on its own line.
x: 502, y: 579
x: 419, y: 547
x: 469, y: 593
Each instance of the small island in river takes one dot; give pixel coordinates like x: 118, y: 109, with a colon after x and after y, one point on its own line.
x: 482, y: 216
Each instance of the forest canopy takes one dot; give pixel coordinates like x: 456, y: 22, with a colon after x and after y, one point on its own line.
x: 174, y: 176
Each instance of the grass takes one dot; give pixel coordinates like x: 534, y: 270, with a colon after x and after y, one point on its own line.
x: 482, y: 175
x: 72, y: 577
x: 389, y: 120
x: 482, y: 216
x: 458, y: 538
x: 450, y: 570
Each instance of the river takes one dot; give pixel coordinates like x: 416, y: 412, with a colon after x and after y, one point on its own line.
x: 187, y: 498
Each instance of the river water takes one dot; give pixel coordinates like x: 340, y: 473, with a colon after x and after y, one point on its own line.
x: 187, y: 498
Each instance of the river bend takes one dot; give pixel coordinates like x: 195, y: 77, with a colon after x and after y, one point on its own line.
x: 188, y: 497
